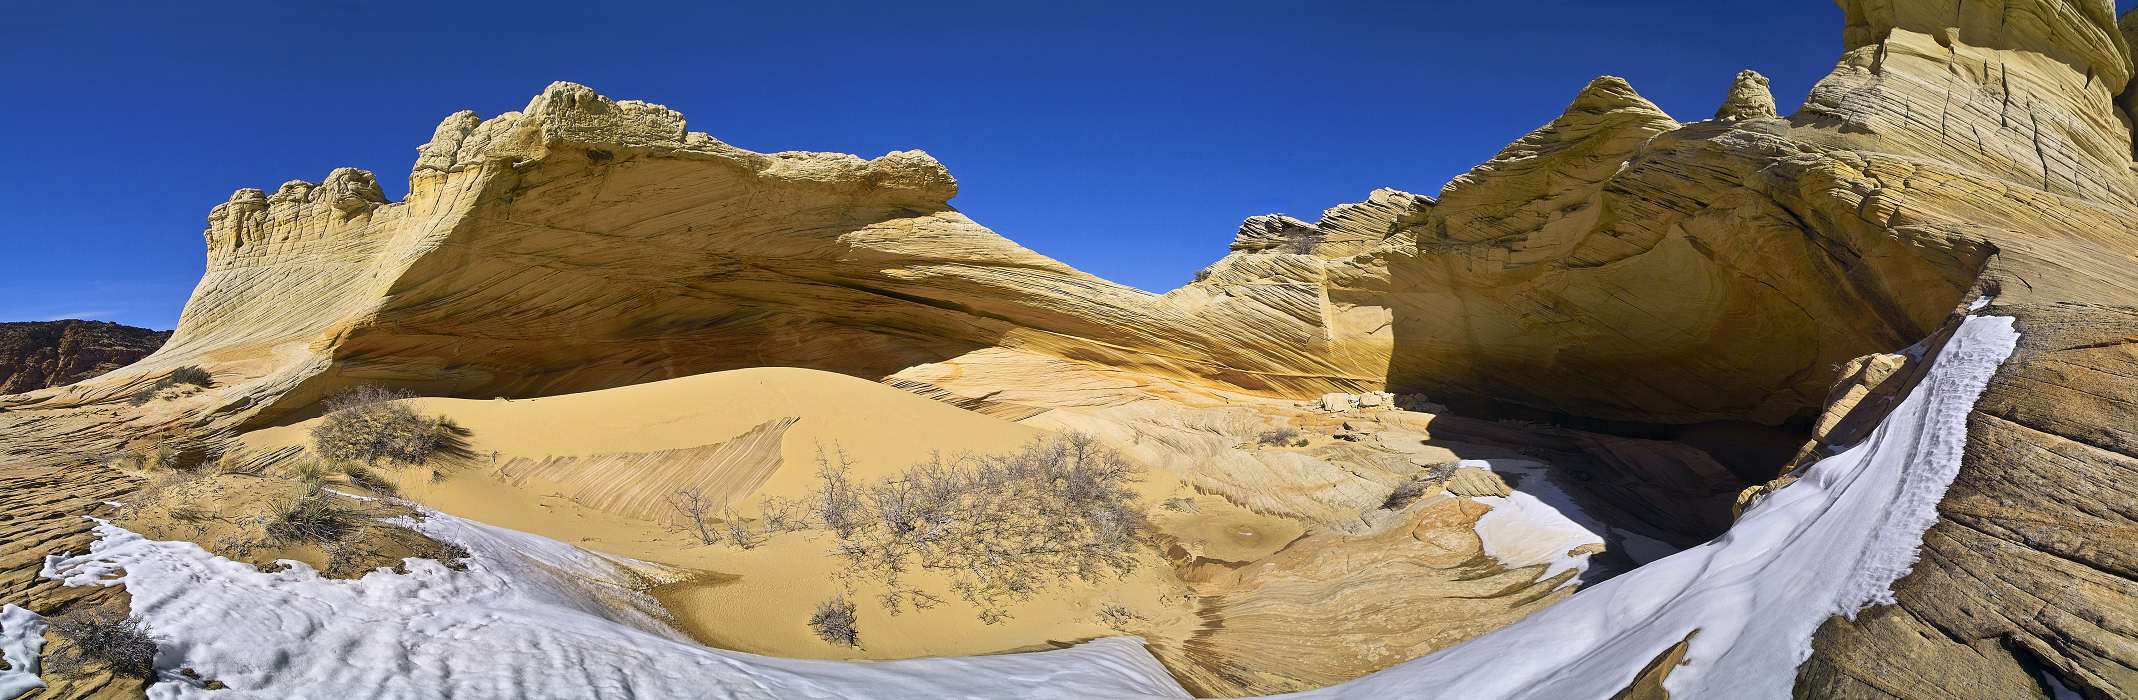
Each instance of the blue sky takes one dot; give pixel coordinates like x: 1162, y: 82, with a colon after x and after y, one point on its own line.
x: 1124, y: 138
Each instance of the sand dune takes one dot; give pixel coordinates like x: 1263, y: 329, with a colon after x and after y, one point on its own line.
x: 593, y: 469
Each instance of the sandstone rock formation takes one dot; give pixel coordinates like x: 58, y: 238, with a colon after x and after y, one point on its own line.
x: 1615, y: 264
x: 40, y: 354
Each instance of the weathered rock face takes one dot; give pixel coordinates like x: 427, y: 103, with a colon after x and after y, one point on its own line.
x: 2130, y: 93
x: 1615, y: 263
x: 39, y: 354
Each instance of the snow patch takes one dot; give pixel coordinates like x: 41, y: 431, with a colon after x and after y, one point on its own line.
x: 1829, y: 544
x: 1536, y: 523
x: 22, y: 639
x: 531, y: 617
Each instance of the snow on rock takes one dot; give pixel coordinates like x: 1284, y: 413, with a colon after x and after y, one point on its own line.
x: 1536, y: 523
x: 22, y: 637
x: 531, y: 617
x: 1829, y: 544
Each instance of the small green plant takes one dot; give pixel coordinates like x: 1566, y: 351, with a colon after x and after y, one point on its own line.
x: 312, y: 517
x: 369, y: 480
x: 834, y: 622
x: 102, y: 638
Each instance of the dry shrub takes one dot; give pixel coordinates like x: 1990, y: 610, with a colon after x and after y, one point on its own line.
x: 838, y: 502
x: 740, y: 533
x: 1280, y: 437
x: 368, y: 424
x: 189, y: 375
x: 834, y: 622
x: 1000, y: 527
x: 106, y: 639
x: 695, y: 509
x: 1419, y: 484
x: 781, y: 514
x: 1405, y: 494
x: 313, y: 473
x: 313, y: 517
x: 369, y: 480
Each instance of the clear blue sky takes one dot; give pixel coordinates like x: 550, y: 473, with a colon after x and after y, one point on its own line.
x: 1122, y: 138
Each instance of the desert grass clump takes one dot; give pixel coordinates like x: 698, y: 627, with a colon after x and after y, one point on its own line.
x: 313, y: 473
x: 368, y: 424
x: 834, y: 622
x: 1000, y: 527
x: 312, y: 517
x: 99, y: 638
x: 191, y: 375
x: 369, y: 480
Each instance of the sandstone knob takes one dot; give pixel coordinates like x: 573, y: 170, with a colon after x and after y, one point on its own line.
x: 1749, y: 98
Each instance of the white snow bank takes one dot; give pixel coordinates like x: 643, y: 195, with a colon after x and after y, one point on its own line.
x: 530, y: 618
x: 1829, y: 544
x: 1536, y: 523
x: 22, y: 636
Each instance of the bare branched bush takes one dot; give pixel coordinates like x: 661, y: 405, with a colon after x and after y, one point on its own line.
x: 1000, y: 527
x: 368, y: 424
x: 696, y: 511
x: 838, y: 503
x: 739, y: 532
x: 99, y: 638
x: 781, y: 514
x: 834, y: 622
